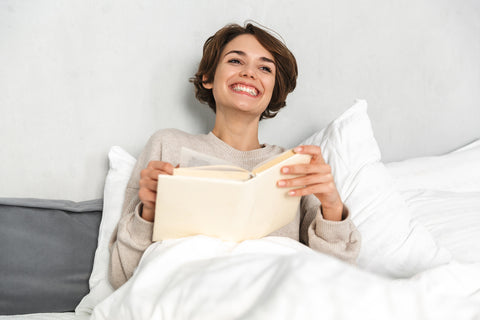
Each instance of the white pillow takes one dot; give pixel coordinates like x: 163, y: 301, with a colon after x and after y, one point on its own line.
x: 453, y: 219
x: 121, y: 165
x: 443, y: 193
x: 392, y: 243
x: 457, y: 171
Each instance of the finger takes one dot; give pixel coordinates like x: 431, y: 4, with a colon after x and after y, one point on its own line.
x: 311, y: 179
x: 152, y: 174
x: 155, y: 173
x: 148, y: 205
x: 321, y: 188
x: 314, y: 151
x: 148, y: 184
x: 161, y: 165
x: 147, y: 196
x: 308, y: 168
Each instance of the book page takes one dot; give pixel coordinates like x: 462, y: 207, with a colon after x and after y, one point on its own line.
x: 272, y: 161
x: 217, y: 172
x: 192, y: 158
x: 197, y: 164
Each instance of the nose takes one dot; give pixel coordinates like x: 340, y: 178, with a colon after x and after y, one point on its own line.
x: 248, y: 72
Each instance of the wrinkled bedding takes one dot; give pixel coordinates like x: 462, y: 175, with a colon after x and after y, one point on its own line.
x: 278, y: 278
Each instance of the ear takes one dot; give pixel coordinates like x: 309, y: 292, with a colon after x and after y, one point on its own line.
x: 206, y: 85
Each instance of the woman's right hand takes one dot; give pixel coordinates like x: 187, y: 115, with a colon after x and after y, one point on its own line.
x: 148, y: 186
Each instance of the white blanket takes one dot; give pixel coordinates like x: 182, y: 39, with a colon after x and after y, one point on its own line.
x: 278, y: 278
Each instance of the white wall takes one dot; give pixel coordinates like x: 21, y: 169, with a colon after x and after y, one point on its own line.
x: 77, y: 77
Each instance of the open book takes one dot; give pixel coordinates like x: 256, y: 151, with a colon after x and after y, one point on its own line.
x: 225, y: 201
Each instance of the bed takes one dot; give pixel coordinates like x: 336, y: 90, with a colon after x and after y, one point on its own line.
x: 420, y: 257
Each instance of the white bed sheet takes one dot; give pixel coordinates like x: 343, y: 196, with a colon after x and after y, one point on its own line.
x: 278, y: 278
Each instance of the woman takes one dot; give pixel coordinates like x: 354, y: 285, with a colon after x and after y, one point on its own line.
x: 245, y: 75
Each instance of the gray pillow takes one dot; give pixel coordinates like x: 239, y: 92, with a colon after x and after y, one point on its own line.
x: 46, y: 253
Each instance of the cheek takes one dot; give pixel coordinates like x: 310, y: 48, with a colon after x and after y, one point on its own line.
x: 272, y: 81
x: 271, y: 85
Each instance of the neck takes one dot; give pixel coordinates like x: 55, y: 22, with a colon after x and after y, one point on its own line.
x: 241, y: 134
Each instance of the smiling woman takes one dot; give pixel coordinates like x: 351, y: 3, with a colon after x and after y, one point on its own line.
x: 242, y: 87
x: 278, y: 59
x: 244, y: 76
x: 249, y: 72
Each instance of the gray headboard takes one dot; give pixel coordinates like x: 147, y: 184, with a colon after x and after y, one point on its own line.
x: 83, y: 76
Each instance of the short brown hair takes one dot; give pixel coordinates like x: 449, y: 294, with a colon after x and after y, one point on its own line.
x: 285, y: 63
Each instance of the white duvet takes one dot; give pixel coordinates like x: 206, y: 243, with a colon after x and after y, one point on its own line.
x: 278, y: 278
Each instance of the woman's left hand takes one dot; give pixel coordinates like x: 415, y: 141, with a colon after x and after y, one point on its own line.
x: 314, y: 178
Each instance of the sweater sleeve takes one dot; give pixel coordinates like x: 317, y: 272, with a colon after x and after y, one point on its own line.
x: 133, y: 234
x: 340, y: 239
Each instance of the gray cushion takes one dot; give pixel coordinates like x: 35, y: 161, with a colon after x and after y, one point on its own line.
x: 46, y: 253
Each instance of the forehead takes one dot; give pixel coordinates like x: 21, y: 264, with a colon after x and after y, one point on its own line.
x: 248, y: 44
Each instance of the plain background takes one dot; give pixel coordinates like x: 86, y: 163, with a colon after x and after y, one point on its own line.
x: 77, y: 77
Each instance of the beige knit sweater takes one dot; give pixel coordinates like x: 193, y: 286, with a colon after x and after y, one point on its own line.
x: 133, y: 234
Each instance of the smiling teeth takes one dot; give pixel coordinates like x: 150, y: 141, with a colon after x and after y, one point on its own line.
x: 249, y: 90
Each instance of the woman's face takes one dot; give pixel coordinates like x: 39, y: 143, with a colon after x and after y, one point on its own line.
x: 244, y: 78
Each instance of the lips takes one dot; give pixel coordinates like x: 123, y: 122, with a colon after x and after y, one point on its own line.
x: 245, y: 89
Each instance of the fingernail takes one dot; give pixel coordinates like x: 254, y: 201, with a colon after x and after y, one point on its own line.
x: 285, y: 170
x: 291, y: 193
x: 298, y: 149
x: 281, y: 183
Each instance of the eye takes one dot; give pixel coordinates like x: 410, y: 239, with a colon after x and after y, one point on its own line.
x: 234, y: 61
x: 267, y: 69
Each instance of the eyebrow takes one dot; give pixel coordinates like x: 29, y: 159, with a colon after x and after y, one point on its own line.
x: 241, y: 53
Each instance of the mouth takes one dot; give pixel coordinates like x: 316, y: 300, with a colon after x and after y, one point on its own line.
x: 245, y: 89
